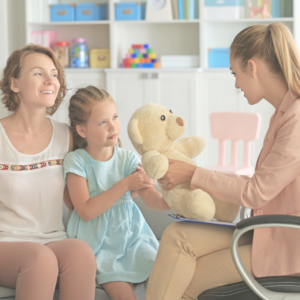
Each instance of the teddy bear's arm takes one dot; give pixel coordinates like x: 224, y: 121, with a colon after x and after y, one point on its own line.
x: 191, y: 146
x: 155, y: 164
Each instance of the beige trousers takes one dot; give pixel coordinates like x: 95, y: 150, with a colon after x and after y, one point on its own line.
x: 193, y: 258
x: 34, y: 269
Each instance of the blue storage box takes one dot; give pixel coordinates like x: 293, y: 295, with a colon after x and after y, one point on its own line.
x: 219, y: 3
x: 91, y: 11
x: 62, y: 12
x: 218, y: 58
x: 125, y: 11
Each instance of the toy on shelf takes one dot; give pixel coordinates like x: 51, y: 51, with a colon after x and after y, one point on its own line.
x: 79, y: 54
x: 61, y: 50
x: 263, y: 10
x: 140, y: 56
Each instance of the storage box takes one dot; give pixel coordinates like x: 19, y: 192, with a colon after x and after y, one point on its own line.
x: 99, y: 58
x: 179, y: 61
x: 224, y: 9
x: 62, y: 12
x: 218, y: 58
x: 125, y: 11
x: 91, y: 11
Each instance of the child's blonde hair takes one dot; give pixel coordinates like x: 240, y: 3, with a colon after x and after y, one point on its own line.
x: 80, y: 109
x: 275, y: 45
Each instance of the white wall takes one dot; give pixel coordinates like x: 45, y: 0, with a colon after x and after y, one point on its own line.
x: 12, y: 33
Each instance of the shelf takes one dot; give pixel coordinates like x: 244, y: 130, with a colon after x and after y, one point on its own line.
x: 83, y: 70
x: 223, y: 70
x: 158, y: 22
x: 70, y: 23
x: 153, y: 70
x: 249, y: 20
x: 196, y: 21
x: 133, y: 70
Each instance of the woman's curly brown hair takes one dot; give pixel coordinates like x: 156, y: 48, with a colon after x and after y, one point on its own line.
x: 13, y: 68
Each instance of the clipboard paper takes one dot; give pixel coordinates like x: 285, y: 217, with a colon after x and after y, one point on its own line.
x: 213, y: 222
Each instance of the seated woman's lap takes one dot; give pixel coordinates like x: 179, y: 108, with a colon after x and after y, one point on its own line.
x: 183, y: 251
x: 33, y: 267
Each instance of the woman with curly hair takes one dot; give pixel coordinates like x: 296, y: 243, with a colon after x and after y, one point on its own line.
x: 35, y: 253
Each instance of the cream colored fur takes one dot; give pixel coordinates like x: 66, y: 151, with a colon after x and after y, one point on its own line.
x: 153, y: 131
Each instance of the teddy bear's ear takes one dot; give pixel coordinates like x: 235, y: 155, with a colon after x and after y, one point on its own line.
x: 134, y: 132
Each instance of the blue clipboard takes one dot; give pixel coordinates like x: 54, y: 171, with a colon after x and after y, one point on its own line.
x: 181, y: 218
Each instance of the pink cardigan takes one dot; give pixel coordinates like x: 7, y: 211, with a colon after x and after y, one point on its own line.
x: 273, y: 189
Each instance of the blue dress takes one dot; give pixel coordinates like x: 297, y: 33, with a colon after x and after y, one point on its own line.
x: 123, y: 243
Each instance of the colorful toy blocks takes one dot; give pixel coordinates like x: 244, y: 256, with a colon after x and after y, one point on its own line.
x: 140, y: 56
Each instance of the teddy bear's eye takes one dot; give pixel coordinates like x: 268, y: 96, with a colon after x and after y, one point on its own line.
x: 162, y: 117
x: 171, y: 111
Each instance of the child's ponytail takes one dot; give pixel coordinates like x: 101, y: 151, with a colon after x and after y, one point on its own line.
x: 80, y: 109
x: 275, y: 45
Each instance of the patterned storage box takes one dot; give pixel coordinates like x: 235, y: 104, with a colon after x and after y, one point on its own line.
x: 62, y: 12
x: 125, y: 11
x: 99, y: 58
x: 218, y: 58
x: 91, y: 11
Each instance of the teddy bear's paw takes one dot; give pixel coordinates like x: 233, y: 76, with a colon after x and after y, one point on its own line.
x: 226, y: 211
x: 155, y: 164
x: 200, y: 205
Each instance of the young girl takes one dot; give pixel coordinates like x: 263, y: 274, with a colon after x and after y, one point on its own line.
x: 100, y: 176
x: 193, y: 258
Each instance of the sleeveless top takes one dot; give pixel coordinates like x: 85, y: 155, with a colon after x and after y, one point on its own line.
x: 31, y: 190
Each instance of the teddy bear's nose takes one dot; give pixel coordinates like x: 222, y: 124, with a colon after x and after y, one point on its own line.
x: 179, y: 121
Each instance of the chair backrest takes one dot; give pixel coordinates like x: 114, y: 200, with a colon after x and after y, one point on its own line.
x: 235, y: 126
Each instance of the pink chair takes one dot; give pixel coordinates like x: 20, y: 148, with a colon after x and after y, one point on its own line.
x: 235, y: 126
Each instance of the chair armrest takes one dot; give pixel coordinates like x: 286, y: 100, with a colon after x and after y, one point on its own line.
x: 268, y: 219
x: 254, y: 223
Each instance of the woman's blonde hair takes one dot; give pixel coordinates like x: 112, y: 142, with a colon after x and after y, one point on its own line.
x: 275, y: 45
x: 13, y: 68
x: 80, y: 109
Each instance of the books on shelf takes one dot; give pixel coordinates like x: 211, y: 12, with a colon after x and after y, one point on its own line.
x: 187, y: 9
x: 39, y: 10
x: 44, y: 38
x: 282, y: 8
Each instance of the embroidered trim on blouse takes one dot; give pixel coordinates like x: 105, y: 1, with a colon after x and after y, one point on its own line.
x: 48, y: 163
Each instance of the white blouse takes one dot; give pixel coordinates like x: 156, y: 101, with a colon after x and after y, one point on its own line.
x: 31, y: 190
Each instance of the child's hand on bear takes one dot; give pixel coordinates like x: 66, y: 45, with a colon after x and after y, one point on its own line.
x: 138, y: 180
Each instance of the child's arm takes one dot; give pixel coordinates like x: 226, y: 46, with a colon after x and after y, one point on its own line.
x: 133, y: 194
x: 67, y: 199
x: 153, y: 199
x: 90, y: 208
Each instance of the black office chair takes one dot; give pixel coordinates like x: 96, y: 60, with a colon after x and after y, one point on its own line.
x: 266, y: 288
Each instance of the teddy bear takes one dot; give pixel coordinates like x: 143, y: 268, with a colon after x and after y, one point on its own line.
x: 153, y: 130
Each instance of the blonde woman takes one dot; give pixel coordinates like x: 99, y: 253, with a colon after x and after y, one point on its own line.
x: 193, y: 258
x: 35, y: 253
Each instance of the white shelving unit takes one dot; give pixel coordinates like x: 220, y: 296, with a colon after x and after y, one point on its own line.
x: 177, y: 37
x: 192, y: 93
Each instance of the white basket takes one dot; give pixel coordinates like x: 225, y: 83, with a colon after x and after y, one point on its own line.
x: 224, y: 12
x: 179, y: 61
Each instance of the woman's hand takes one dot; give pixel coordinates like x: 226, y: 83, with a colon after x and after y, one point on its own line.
x: 178, y: 172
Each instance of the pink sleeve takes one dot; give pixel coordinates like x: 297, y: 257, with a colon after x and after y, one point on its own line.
x: 280, y: 167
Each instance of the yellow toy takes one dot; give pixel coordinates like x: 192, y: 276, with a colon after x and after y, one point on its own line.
x: 153, y: 131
